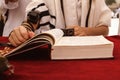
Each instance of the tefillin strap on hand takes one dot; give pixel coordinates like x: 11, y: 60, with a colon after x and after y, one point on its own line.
x: 68, y: 32
x: 28, y: 26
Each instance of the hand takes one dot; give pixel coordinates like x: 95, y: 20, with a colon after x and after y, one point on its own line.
x: 20, y: 35
x: 6, y: 1
x: 79, y: 31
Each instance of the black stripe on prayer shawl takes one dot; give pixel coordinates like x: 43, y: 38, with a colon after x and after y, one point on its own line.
x: 47, y: 23
x: 46, y: 13
x: 43, y: 14
x: 88, y: 14
x: 42, y: 4
x: 52, y: 16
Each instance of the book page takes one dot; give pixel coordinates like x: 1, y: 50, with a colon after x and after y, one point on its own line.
x: 57, y: 34
x: 82, y: 41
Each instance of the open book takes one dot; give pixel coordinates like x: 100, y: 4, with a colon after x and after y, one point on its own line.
x: 68, y: 47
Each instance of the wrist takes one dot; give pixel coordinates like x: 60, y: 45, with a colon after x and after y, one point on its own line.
x: 28, y: 26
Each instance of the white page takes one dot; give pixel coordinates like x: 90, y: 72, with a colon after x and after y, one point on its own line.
x: 55, y: 33
x: 82, y: 41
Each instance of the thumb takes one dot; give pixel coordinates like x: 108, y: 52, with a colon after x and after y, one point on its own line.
x: 31, y: 34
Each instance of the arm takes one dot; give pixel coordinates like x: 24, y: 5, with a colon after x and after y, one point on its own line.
x: 23, y: 32
x: 101, y: 21
x: 84, y: 31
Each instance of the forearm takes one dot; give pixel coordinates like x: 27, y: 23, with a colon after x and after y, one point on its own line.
x: 101, y: 30
x: 90, y: 31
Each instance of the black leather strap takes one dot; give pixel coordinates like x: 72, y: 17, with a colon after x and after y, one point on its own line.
x: 1, y: 25
x: 88, y: 14
x: 62, y: 7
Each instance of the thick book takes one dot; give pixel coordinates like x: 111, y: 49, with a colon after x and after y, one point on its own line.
x: 67, y: 47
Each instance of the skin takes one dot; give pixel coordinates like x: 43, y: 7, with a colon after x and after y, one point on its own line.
x: 91, y: 31
x: 21, y: 34
x: 6, y: 1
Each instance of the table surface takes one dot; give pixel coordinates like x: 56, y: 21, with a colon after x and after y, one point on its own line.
x: 43, y: 69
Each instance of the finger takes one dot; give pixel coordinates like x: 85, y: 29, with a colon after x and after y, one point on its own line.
x: 24, y: 33
x: 76, y: 31
x: 11, y: 40
x: 18, y: 36
x: 82, y: 34
x: 15, y: 35
x: 31, y: 34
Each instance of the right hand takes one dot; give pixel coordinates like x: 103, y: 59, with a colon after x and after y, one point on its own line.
x: 19, y: 35
x: 79, y: 31
x: 6, y: 1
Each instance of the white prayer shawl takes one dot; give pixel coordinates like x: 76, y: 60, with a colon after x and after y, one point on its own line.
x: 16, y: 14
x: 100, y: 14
x: 54, y: 7
x: 46, y: 19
